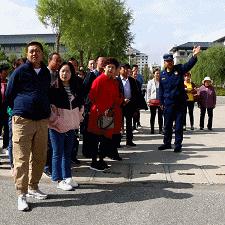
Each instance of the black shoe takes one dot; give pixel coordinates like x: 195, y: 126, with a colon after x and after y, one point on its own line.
x: 178, y: 149
x: 201, y: 128
x: 192, y: 128
x: 152, y: 131
x: 75, y: 161
x: 97, y: 166
x: 139, y: 125
x: 160, y: 131
x: 104, y: 165
x: 210, y: 128
x: 117, y: 158
x: 131, y: 143
x: 164, y: 147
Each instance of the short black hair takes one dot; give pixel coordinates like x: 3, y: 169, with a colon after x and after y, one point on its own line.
x: 135, y: 65
x: 111, y: 60
x: 34, y: 43
x: 125, y: 66
x: 52, y: 54
x: 4, y: 67
x: 155, y: 70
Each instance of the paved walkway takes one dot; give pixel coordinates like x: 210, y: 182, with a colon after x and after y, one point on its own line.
x: 202, y: 160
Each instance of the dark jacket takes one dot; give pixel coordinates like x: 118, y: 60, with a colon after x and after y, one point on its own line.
x: 171, y: 84
x: 28, y: 93
x: 207, y: 97
x: 141, y: 100
x: 133, y: 104
x: 59, y: 97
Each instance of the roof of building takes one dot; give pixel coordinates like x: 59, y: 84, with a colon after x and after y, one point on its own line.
x: 222, y: 39
x: 190, y: 45
x: 26, y: 38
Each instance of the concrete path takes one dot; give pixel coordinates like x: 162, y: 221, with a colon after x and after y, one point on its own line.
x: 202, y: 160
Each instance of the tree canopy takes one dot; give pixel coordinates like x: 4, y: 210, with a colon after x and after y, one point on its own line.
x: 89, y: 28
x: 210, y: 63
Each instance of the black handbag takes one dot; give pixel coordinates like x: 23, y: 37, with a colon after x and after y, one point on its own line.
x: 105, y: 122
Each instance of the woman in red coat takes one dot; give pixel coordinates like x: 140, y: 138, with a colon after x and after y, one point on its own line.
x: 105, y: 101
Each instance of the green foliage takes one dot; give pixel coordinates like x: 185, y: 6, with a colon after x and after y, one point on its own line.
x: 220, y: 91
x: 3, y: 57
x: 89, y: 28
x: 210, y: 63
x: 146, y: 73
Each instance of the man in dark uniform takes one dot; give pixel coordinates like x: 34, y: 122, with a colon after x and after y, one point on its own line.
x: 173, y: 97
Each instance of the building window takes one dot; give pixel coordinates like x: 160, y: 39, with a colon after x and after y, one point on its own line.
x: 182, y: 53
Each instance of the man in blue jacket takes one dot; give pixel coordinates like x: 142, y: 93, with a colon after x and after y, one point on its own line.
x: 28, y: 95
x: 173, y: 98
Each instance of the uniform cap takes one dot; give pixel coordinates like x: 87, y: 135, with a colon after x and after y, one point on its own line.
x: 168, y: 57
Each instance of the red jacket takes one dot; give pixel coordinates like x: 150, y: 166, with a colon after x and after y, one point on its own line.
x: 105, y: 94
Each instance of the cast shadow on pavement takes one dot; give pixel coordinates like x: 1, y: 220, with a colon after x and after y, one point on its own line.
x: 114, y: 194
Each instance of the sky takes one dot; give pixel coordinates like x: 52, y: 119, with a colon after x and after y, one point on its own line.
x: 158, y: 25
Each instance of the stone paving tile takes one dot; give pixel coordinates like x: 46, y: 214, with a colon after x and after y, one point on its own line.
x: 82, y: 173
x: 118, y: 173
x: 215, y: 175
x: 187, y: 173
x: 148, y: 172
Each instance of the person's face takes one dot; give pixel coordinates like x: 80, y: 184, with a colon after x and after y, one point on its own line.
x: 169, y: 64
x: 156, y: 75
x: 134, y: 73
x: 35, y: 55
x: 207, y: 83
x: 124, y: 72
x: 100, y: 62
x: 4, y: 74
x: 129, y: 72
x: 110, y: 70
x: 187, y: 78
x: 91, y: 65
x: 55, y: 62
x: 65, y: 74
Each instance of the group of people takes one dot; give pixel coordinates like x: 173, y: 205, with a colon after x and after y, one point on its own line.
x: 48, y: 107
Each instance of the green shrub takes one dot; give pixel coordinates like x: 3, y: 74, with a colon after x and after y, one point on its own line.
x: 220, y: 91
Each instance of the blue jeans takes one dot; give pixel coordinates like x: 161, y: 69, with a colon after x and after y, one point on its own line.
x: 10, y: 142
x: 62, y: 145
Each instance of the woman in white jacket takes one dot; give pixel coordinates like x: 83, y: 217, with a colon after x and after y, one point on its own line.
x: 153, y: 101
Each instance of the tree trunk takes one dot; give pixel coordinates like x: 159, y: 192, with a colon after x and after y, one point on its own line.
x: 81, y: 58
x: 57, y: 42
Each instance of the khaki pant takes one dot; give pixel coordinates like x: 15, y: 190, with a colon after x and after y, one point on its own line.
x: 30, y: 140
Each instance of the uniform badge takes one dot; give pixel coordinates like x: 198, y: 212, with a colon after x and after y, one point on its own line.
x: 163, y: 78
x: 176, y: 73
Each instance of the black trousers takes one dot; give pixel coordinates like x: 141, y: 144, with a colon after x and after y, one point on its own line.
x: 97, y: 145
x: 202, y: 117
x: 5, y: 126
x: 190, y: 107
x: 153, y: 110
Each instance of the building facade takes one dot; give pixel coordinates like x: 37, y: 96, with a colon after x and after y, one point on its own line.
x: 15, y: 44
x: 137, y: 57
x: 182, y: 52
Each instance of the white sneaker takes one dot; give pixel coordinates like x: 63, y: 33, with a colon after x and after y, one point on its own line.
x: 22, y: 203
x: 64, y: 186
x: 36, y: 194
x: 71, y: 182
